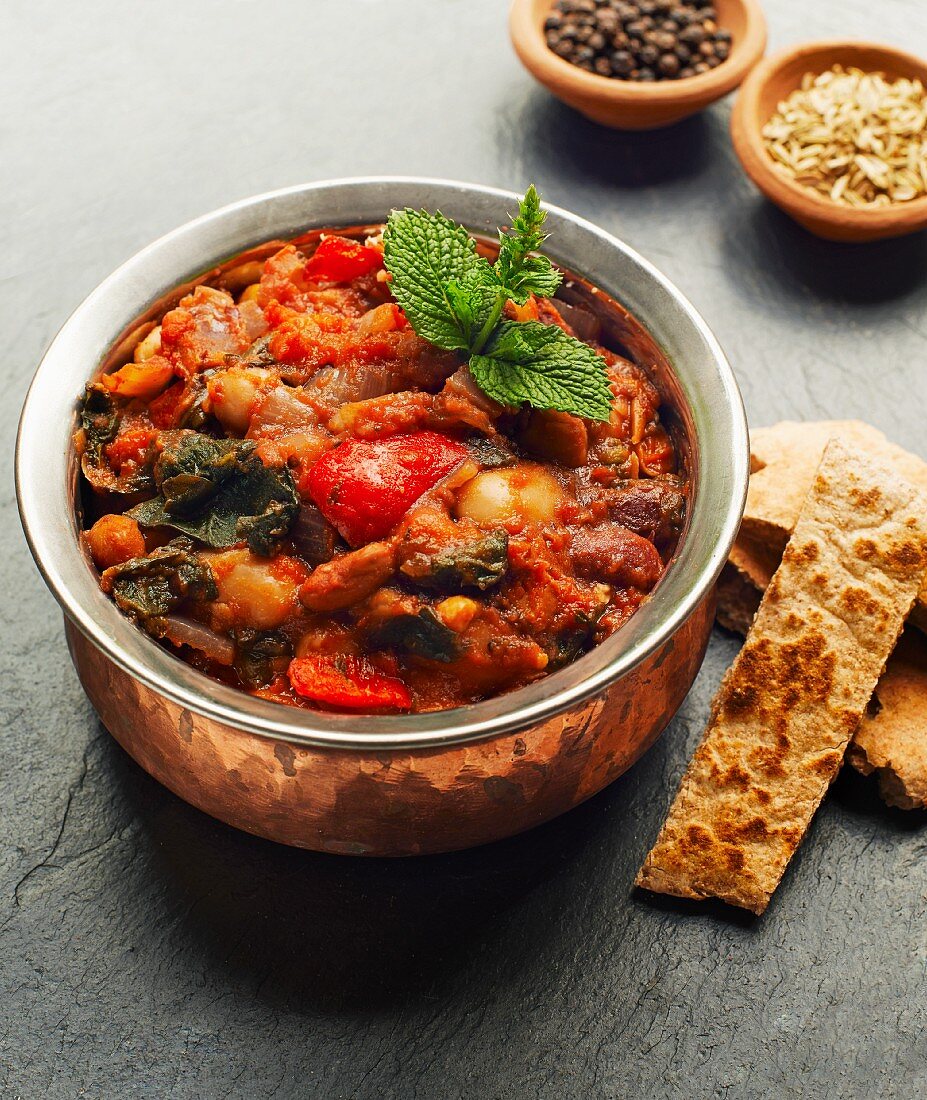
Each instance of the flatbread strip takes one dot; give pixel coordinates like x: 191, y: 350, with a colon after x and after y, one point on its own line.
x: 792, y: 700
x: 891, y: 740
x: 783, y: 459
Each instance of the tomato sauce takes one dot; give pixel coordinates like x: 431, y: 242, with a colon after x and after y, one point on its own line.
x: 303, y: 498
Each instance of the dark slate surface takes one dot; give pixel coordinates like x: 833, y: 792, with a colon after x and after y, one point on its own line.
x: 146, y: 950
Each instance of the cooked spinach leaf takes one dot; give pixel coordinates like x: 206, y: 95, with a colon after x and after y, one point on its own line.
x: 480, y: 564
x: 158, y: 582
x: 219, y: 491
x: 99, y: 419
x: 420, y: 633
x: 260, y: 655
x: 490, y: 454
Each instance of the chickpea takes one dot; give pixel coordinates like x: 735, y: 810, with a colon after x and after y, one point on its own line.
x: 457, y: 612
x: 250, y: 293
x: 233, y: 393
x: 115, y: 539
x: 511, y: 497
x: 259, y: 593
x: 149, y: 346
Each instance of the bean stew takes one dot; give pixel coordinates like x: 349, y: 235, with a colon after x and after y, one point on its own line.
x: 301, y: 497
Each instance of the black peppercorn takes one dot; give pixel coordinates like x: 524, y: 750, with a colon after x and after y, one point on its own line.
x: 622, y: 62
x: 640, y: 40
x: 693, y: 35
x: 669, y: 65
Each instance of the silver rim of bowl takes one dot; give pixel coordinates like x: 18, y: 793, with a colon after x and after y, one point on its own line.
x: 46, y: 468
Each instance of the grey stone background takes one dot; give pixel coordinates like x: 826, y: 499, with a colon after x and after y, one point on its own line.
x: 148, y: 951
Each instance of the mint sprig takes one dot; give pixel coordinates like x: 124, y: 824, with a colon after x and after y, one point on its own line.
x: 427, y: 254
x: 454, y: 298
x: 519, y: 273
x: 545, y: 367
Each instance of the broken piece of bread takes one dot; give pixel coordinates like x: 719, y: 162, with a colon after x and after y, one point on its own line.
x: 783, y: 459
x: 796, y: 693
x: 892, y: 738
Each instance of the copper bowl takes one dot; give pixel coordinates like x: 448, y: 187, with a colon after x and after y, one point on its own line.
x: 395, y: 785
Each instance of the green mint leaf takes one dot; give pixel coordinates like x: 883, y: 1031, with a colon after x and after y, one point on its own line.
x: 519, y: 273
x: 425, y: 253
x: 528, y: 224
x: 472, y: 301
x: 543, y: 366
x: 536, y: 276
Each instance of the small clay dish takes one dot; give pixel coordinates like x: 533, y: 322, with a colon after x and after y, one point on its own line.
x: 626, y: 104
x: 774, y: 80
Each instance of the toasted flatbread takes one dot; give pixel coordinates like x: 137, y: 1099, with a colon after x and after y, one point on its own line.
x: 892, y: 737
x: 788, y: 707
x: 783, y: 459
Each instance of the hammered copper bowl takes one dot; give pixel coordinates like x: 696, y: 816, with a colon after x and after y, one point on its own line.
x: 405, y: 784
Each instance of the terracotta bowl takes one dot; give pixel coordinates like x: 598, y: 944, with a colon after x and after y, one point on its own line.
x: 626, y: 105
x: 770, y: 83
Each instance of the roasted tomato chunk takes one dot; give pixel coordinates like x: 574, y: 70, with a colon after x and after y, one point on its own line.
x: 347, y: 683
x: 364, y: 488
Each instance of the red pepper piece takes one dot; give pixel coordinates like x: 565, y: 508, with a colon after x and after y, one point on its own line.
x: 339, y: 260
x: 129, y: 447
x: 349, y: 683
x: 364, y: 488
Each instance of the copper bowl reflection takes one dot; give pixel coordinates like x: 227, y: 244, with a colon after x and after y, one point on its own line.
x: 398, y: 785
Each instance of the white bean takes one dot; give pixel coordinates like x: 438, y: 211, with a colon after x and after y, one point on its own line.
x: 233, y: 393
x: 511, y: 497
x: 258, y: 593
